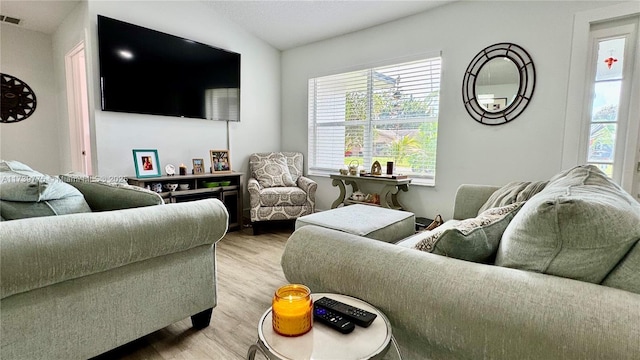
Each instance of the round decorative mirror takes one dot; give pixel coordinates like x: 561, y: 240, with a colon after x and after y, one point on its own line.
x: 498, y: 84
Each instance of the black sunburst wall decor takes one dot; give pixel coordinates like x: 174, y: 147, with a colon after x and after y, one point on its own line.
x: 18, y: 99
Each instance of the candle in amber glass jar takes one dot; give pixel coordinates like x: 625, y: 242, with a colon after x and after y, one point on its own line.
x: 292, y: 310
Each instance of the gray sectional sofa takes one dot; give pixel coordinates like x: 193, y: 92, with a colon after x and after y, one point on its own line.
x: 78, y: 284
x: 580, y: 300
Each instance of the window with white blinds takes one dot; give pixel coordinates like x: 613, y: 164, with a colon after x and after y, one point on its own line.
x: 387, y: 113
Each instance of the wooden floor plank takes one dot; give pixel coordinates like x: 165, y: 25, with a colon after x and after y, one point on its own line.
x: 248, y: 273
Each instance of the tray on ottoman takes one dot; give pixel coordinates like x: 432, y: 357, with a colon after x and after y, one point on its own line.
x: 369, y: 221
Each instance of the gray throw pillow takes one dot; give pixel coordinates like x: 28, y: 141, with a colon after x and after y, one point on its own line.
x: 580, y: 226
x: 512, y: 193
x: 26, y: 193
x: 104, y: 195
x: 271, y: 171
x: 14, y: 210
x: 476, y: 239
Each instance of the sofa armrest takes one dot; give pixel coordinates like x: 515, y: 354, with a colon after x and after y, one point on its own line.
x: 447, y: 308
x: 309, y: 186
x: 37, y: 252
x: 469, y: 199
x: 253, y: 184
x: 254, y: 189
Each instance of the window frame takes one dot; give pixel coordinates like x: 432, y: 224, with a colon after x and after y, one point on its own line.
x: 369, y: 123
x: 579, y: 80
x: 624, y: 140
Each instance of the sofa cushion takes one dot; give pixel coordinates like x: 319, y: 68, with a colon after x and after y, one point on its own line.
x: 513, y: 192
x: 113, y: 194
x: 476, y: 239
x: 271, y: 170
x: 580, y: 226
x: 626, y: 274
x: 283, y: 196
x: 26, y: 193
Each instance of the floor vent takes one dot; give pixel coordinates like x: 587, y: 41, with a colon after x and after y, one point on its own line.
x: 10, y: 20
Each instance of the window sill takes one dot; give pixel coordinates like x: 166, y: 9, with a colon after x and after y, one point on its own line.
x: 414, y: 181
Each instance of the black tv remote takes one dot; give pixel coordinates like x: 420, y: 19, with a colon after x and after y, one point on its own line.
x: 358, y: 316
x: 332, y: 319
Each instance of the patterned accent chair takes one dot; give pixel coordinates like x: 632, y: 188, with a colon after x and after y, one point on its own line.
x: 277, y: 188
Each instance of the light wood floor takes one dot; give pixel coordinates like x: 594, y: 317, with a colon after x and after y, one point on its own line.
x: 248, y: 273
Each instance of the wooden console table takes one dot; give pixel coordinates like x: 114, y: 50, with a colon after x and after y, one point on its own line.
x: 388, y: 196
x: 230, y: 195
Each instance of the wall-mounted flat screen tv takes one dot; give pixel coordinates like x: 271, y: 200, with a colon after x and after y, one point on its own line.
x: 149, y: 72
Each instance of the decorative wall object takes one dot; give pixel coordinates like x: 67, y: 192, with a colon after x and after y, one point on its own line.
x: 18, y: 99
x: 498, y: 84
x: 147, y: 163
x: 220, y: 162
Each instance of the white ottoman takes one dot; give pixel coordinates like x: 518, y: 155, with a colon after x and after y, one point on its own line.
x: 369, y: 221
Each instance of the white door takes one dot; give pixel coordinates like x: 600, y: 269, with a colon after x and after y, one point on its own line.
x: 78, y: 105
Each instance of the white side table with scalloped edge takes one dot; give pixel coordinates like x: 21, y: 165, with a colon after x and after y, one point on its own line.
x: 324, y: 343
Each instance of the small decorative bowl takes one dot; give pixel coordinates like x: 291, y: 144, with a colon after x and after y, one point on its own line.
x: 225, y: 183
x: 211, y: 184
x: 171, y: 187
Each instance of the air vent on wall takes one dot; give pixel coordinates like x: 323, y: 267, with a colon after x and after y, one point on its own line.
x: 10, y: 20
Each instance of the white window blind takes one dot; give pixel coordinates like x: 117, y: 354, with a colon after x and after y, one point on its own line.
x: 380, y: 114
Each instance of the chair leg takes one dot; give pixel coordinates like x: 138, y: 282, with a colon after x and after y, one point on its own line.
x: 256, y: 227
x: 202, y: 319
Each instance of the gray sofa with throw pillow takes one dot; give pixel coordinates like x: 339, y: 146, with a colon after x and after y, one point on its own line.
x: 100, y: 268
x: 551, y: 270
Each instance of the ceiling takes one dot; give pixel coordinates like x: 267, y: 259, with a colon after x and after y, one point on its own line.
x: 287, y: 24
x: 282, y: 24
x: 43, y: 16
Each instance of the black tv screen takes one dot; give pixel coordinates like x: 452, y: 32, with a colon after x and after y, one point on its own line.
x: 149, y: 72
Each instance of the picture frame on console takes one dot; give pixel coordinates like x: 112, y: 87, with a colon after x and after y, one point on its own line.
x: 198, y: 166
x: 147, y: 163
x: 220, y: 161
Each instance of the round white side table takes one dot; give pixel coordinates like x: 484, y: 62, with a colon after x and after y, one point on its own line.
x: 324, y: 343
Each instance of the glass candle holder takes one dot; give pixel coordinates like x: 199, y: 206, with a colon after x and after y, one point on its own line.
x: 292, y: 310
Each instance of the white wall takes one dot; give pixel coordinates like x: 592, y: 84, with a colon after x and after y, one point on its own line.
x: 180, y: 140
x: 28, y: 55
x: 528, y: 148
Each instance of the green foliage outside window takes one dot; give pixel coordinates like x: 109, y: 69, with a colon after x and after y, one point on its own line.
x: 412, y: 148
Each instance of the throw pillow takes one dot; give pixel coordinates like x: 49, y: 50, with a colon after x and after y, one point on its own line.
x: 104, y: 195
x: 580, y: 226
x: 271, y: 171
x: 475, y: 239
x: 14, y: 210
x: 513, y: 192
x: 25, y: 193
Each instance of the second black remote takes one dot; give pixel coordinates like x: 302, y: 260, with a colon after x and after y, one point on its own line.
x: 359, y: 316
x: 333, y: 320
